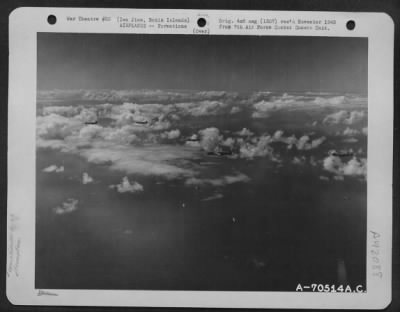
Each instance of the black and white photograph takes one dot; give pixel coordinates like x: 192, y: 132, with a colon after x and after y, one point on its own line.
x: 184, y: 162
x: 200, y: 158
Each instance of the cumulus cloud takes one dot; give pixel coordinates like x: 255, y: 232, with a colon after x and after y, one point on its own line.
x: 194, y: 137
x: 302, y: 160
x: 126, y: 186
x: 303, y: 143
x: 105, y: 109
x: 264, y: 108
x: 240, y: 177
x: 127, y: 118
x: 54, y: 126
x: 290, y: 141
x: 147, y: 116
x: 350, y: 132
x: 124, y: 135
x: 222, y: 181
x: 353, y: 167
x: 54, y: 168
x: 228, y: 142
x: 131, y: 123
x: 161, y: 125
x: 66, y: 111
x: 278, y: 135
x: 151, y: 110
x: 51, y: 144
x: 260, y: 148
x: 298, y: 160
x: 336, y: 118
x: 202, y: 108
x: 355, y: 117
x: 86, y: 178
x: 87, y: 115
x: 336, y: 100
x: 112, y: 145
x: 159, y: 160
x: 171, y: 135
x: 213, y: 197
x: 90, y: 131
x: 66, y: 207
x: 333, y: 164
x: 245, y: 132
x: 345, y: 117
x: 235, y: 110
x: 210, y: 138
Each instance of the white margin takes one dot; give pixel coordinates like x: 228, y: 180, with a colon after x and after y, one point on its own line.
x: 24, y: 25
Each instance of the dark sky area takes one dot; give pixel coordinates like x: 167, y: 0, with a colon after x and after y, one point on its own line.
x: 231, y: 63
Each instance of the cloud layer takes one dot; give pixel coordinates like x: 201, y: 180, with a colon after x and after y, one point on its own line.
x: 157, y: 133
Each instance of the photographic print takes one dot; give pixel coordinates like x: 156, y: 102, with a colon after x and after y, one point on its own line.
x: 183, y: 162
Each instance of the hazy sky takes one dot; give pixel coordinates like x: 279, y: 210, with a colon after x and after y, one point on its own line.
x: 232, y: 63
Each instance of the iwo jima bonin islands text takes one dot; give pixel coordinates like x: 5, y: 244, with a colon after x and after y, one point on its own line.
x: 137, y: 22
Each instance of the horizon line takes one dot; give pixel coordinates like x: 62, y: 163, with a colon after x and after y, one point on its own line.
x: 208, y: 90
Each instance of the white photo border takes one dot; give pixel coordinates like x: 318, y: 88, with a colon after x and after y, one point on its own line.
x: 25, y: 23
